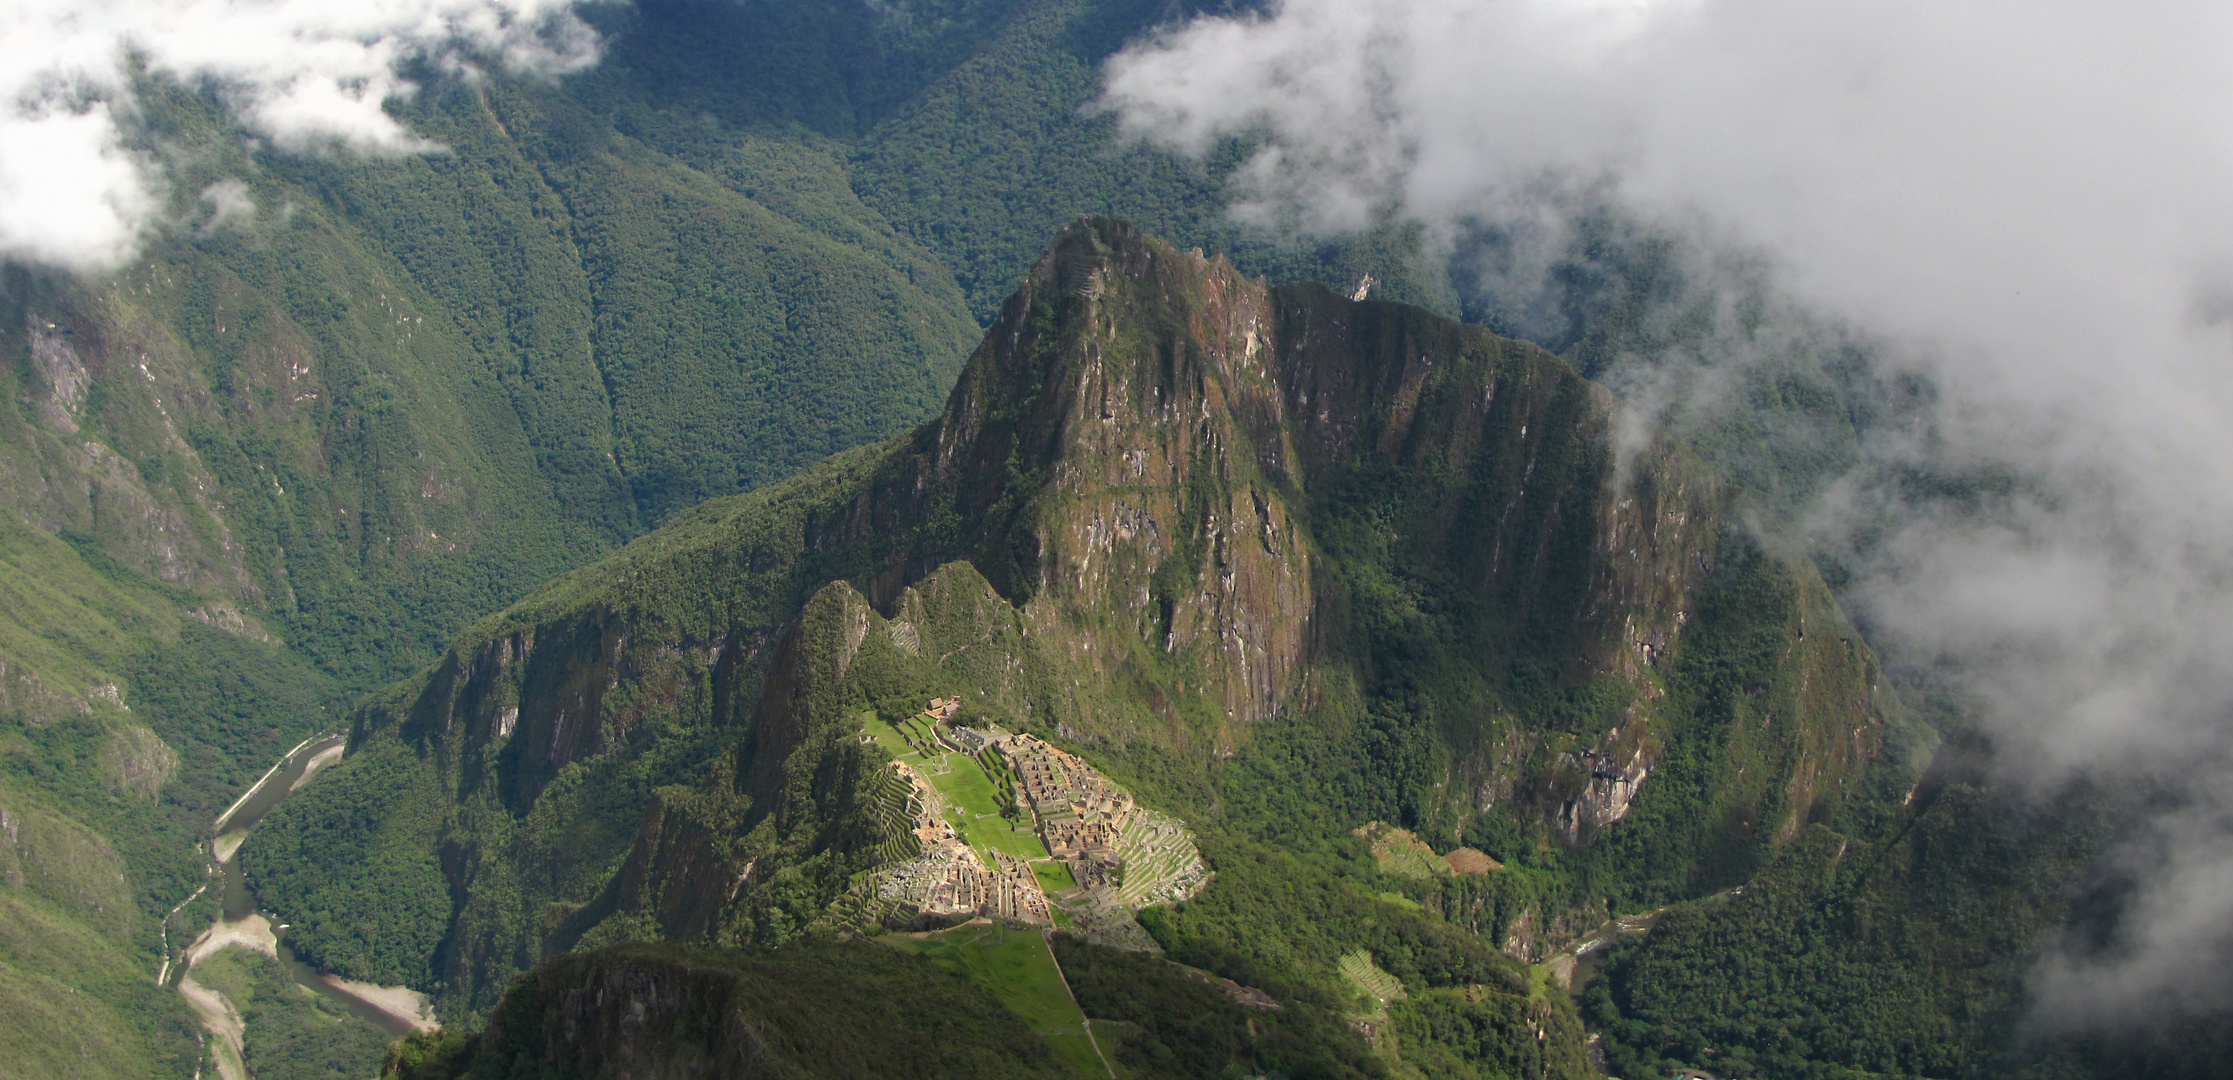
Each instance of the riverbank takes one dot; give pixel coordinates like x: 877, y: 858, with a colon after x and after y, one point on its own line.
x: 393, y: 1010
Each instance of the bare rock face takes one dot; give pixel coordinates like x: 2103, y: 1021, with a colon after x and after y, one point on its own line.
x: 64, y: 472
x: 61, y: 372
x: 1605, y: 797
x: 1139, y: 431
x: 1142, y: 379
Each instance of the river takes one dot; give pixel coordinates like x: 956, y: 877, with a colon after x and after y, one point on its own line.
x: 241, y: 924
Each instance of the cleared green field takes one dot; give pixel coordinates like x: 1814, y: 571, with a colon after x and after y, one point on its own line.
x: 972, y: 798
x: 995, y: 834
x: 966, y: 788
x: 990, y: 834
x: 889, y: 738
x: 1019, y: 969
x: 964, y: 784
x: 1401, y: 853
x: 1054, y: 877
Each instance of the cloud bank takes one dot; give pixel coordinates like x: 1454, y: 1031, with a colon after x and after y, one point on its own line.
x: 2031, y: 196
x: 308, y: 75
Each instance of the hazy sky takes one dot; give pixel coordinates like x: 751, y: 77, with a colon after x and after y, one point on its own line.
x: 310, y: 75
x: 2033, y: 200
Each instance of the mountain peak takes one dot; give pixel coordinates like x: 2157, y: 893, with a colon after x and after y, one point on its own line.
x: 1402, y: 569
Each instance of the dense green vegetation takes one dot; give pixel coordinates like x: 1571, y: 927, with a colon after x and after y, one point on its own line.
x: 79, y: 991
x: 389, y: 932
x: 405, y: 391
x: 229, y: 706
x: 483, y: 822
x: 1184, y: 1025
x: 811, y: 1010
x: 398, y: 397
x: 1278, y: 919
x: 106, y: 798
x: 290, y: 1033
x: 1910, y: 958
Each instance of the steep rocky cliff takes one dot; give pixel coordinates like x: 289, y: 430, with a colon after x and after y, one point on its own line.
x: 1282, y: 561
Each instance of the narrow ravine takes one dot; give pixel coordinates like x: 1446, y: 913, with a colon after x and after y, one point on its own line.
x: 397, y: 1010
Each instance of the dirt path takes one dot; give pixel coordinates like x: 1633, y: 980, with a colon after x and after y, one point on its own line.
x: 165, y: 928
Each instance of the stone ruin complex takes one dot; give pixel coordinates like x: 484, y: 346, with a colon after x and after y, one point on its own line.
x: 949, y: 878
x: 1123, y: 855
x: 1081, y: 814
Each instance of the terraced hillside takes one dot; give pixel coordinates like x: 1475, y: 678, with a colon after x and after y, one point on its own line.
x: 1055, y: 843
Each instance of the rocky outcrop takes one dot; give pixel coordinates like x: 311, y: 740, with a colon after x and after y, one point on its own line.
x: 80, y: 459
x: 1605, y: 796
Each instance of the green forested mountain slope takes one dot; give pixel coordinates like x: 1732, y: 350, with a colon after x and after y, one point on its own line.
x: 290, y: 452
x: 1283, y: 562
x: 105, y: 798
x: 292, y: 449
x: 967, y: 125
x: 346, y: 405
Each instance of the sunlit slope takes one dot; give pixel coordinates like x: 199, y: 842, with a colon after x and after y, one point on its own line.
x: 126, y: 725
x: 397, y: 393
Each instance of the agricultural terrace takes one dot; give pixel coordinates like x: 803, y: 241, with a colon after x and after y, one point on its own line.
x: 967, y: 857
x: 1159, y: 861
x: 1141, y: 856
x: 947, y: 876
x: 970, y: 800
x: 1371, y: 980
x: 1400, y: 852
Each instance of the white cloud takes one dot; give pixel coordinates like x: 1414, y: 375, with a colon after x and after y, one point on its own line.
x: 70, y: 194
x: 307, y: 74
x: 229, y: 204
x: 2030, y: 195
